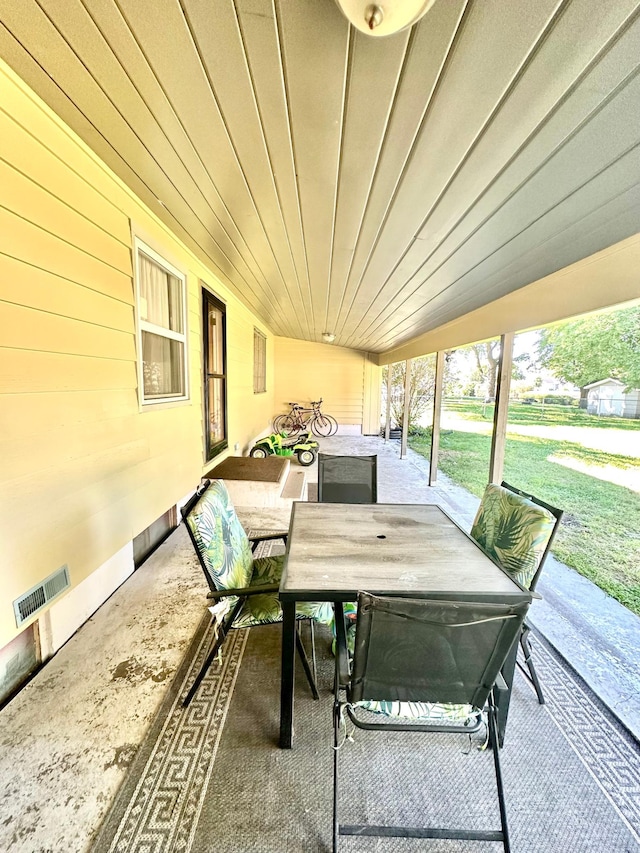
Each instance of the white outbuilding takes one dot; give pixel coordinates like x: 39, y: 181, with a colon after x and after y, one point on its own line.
x: 608, y: 397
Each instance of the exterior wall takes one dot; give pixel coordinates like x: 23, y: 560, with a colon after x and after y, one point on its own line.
x: 610, y: 399
x: 372, y: 397
x: 632, y: 404
x: 606, y: 400
x: 307, y: 371
x: 84, y: 470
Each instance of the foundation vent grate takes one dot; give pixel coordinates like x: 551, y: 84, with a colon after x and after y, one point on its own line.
x: 39, y: 596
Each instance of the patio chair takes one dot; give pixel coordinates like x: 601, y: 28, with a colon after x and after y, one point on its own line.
x: 248, y: 585
x: 350, y: 480
x: 517, y: 529
x: 420, y: 666
x: 347, y: 479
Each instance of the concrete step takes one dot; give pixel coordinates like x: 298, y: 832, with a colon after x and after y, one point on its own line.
x: 295, y: 487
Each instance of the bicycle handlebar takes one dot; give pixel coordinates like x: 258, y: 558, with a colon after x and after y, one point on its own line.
x: 313, y: 403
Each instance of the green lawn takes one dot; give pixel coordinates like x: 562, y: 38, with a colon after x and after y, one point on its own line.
x: 600, y: 532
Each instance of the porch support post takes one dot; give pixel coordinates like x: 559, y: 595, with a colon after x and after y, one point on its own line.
x: 387, y: 424
x: 437, y: 409
x: 405, y: 416
x: 499, y: 437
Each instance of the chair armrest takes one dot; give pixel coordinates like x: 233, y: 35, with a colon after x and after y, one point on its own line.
x: 244, y: 591
x: 268, y: 537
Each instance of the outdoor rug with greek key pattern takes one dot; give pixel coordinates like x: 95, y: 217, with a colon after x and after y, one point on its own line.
x: 211, y: 777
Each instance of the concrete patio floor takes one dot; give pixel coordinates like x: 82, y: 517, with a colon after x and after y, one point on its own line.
x: 70, y: 734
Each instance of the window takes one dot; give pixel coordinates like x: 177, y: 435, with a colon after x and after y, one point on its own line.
x: 162, y: 328
x: 215, y: 374
x: 259, y: 362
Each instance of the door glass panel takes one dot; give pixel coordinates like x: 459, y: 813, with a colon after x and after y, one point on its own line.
x: 215, y: 375
x: 216, y: 341
x: 216, y: 411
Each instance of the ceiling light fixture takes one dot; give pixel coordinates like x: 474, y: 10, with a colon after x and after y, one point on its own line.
x: 328, y: 337
x: 383, y: 18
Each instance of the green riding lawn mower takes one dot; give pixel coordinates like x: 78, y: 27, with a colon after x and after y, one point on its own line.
x: 280, y: 444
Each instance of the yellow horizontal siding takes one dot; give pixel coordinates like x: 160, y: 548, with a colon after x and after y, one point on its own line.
x: 28, y: 242
x: 73, y: 443
x: 29, y: 371
x: 29, y: 328
x: 308, y: 371
x: 372, y: 397
x: 249, y: 414
x: 29, y: 415
x: 56, y: 139
x: 30, y: 155
x: 113, y: 493
x: 82, y: 523
x: 30, y: 201
x: 24, y: 284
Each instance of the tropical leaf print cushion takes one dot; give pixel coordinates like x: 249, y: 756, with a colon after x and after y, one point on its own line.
x: 226, y: 552
x: 512, y: 530
x: 266, y: 608
x: 221, y: 538
x: 428, y: 712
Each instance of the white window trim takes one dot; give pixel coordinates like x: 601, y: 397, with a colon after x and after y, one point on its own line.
x: 144, y: 326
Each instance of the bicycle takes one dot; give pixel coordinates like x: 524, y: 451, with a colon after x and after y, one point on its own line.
x: 315, y: 420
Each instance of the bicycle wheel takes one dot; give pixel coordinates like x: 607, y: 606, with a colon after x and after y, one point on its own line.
x: 289, y: 424
x: 324, y: 425
x: 278, y: 421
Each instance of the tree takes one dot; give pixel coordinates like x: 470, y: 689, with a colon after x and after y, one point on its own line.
x: 487, y: 357
x: 482, y: 379
x: 603, y: 345
x: 423, y: 371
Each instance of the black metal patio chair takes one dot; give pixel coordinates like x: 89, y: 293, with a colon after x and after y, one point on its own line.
x: 517, y: 529
x: 347, y: 479
x: 423, y: 666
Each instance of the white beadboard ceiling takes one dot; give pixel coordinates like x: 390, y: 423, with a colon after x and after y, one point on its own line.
x: 373, y: 188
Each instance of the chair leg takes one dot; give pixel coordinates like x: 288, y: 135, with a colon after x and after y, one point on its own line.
x: 312, y: 632
x: 526, y: 648
x: 336, y: 735
x: 203, y: 669
x: 223, y: 630
x: 495, y: 748
x: 305, y: 665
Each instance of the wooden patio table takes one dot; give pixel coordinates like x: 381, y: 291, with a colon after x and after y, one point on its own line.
x: 336, y: 550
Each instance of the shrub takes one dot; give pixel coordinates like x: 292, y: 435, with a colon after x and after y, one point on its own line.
x: 420, y: 431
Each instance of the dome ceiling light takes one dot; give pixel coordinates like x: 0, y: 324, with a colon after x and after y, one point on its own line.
x: 383, y: 18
